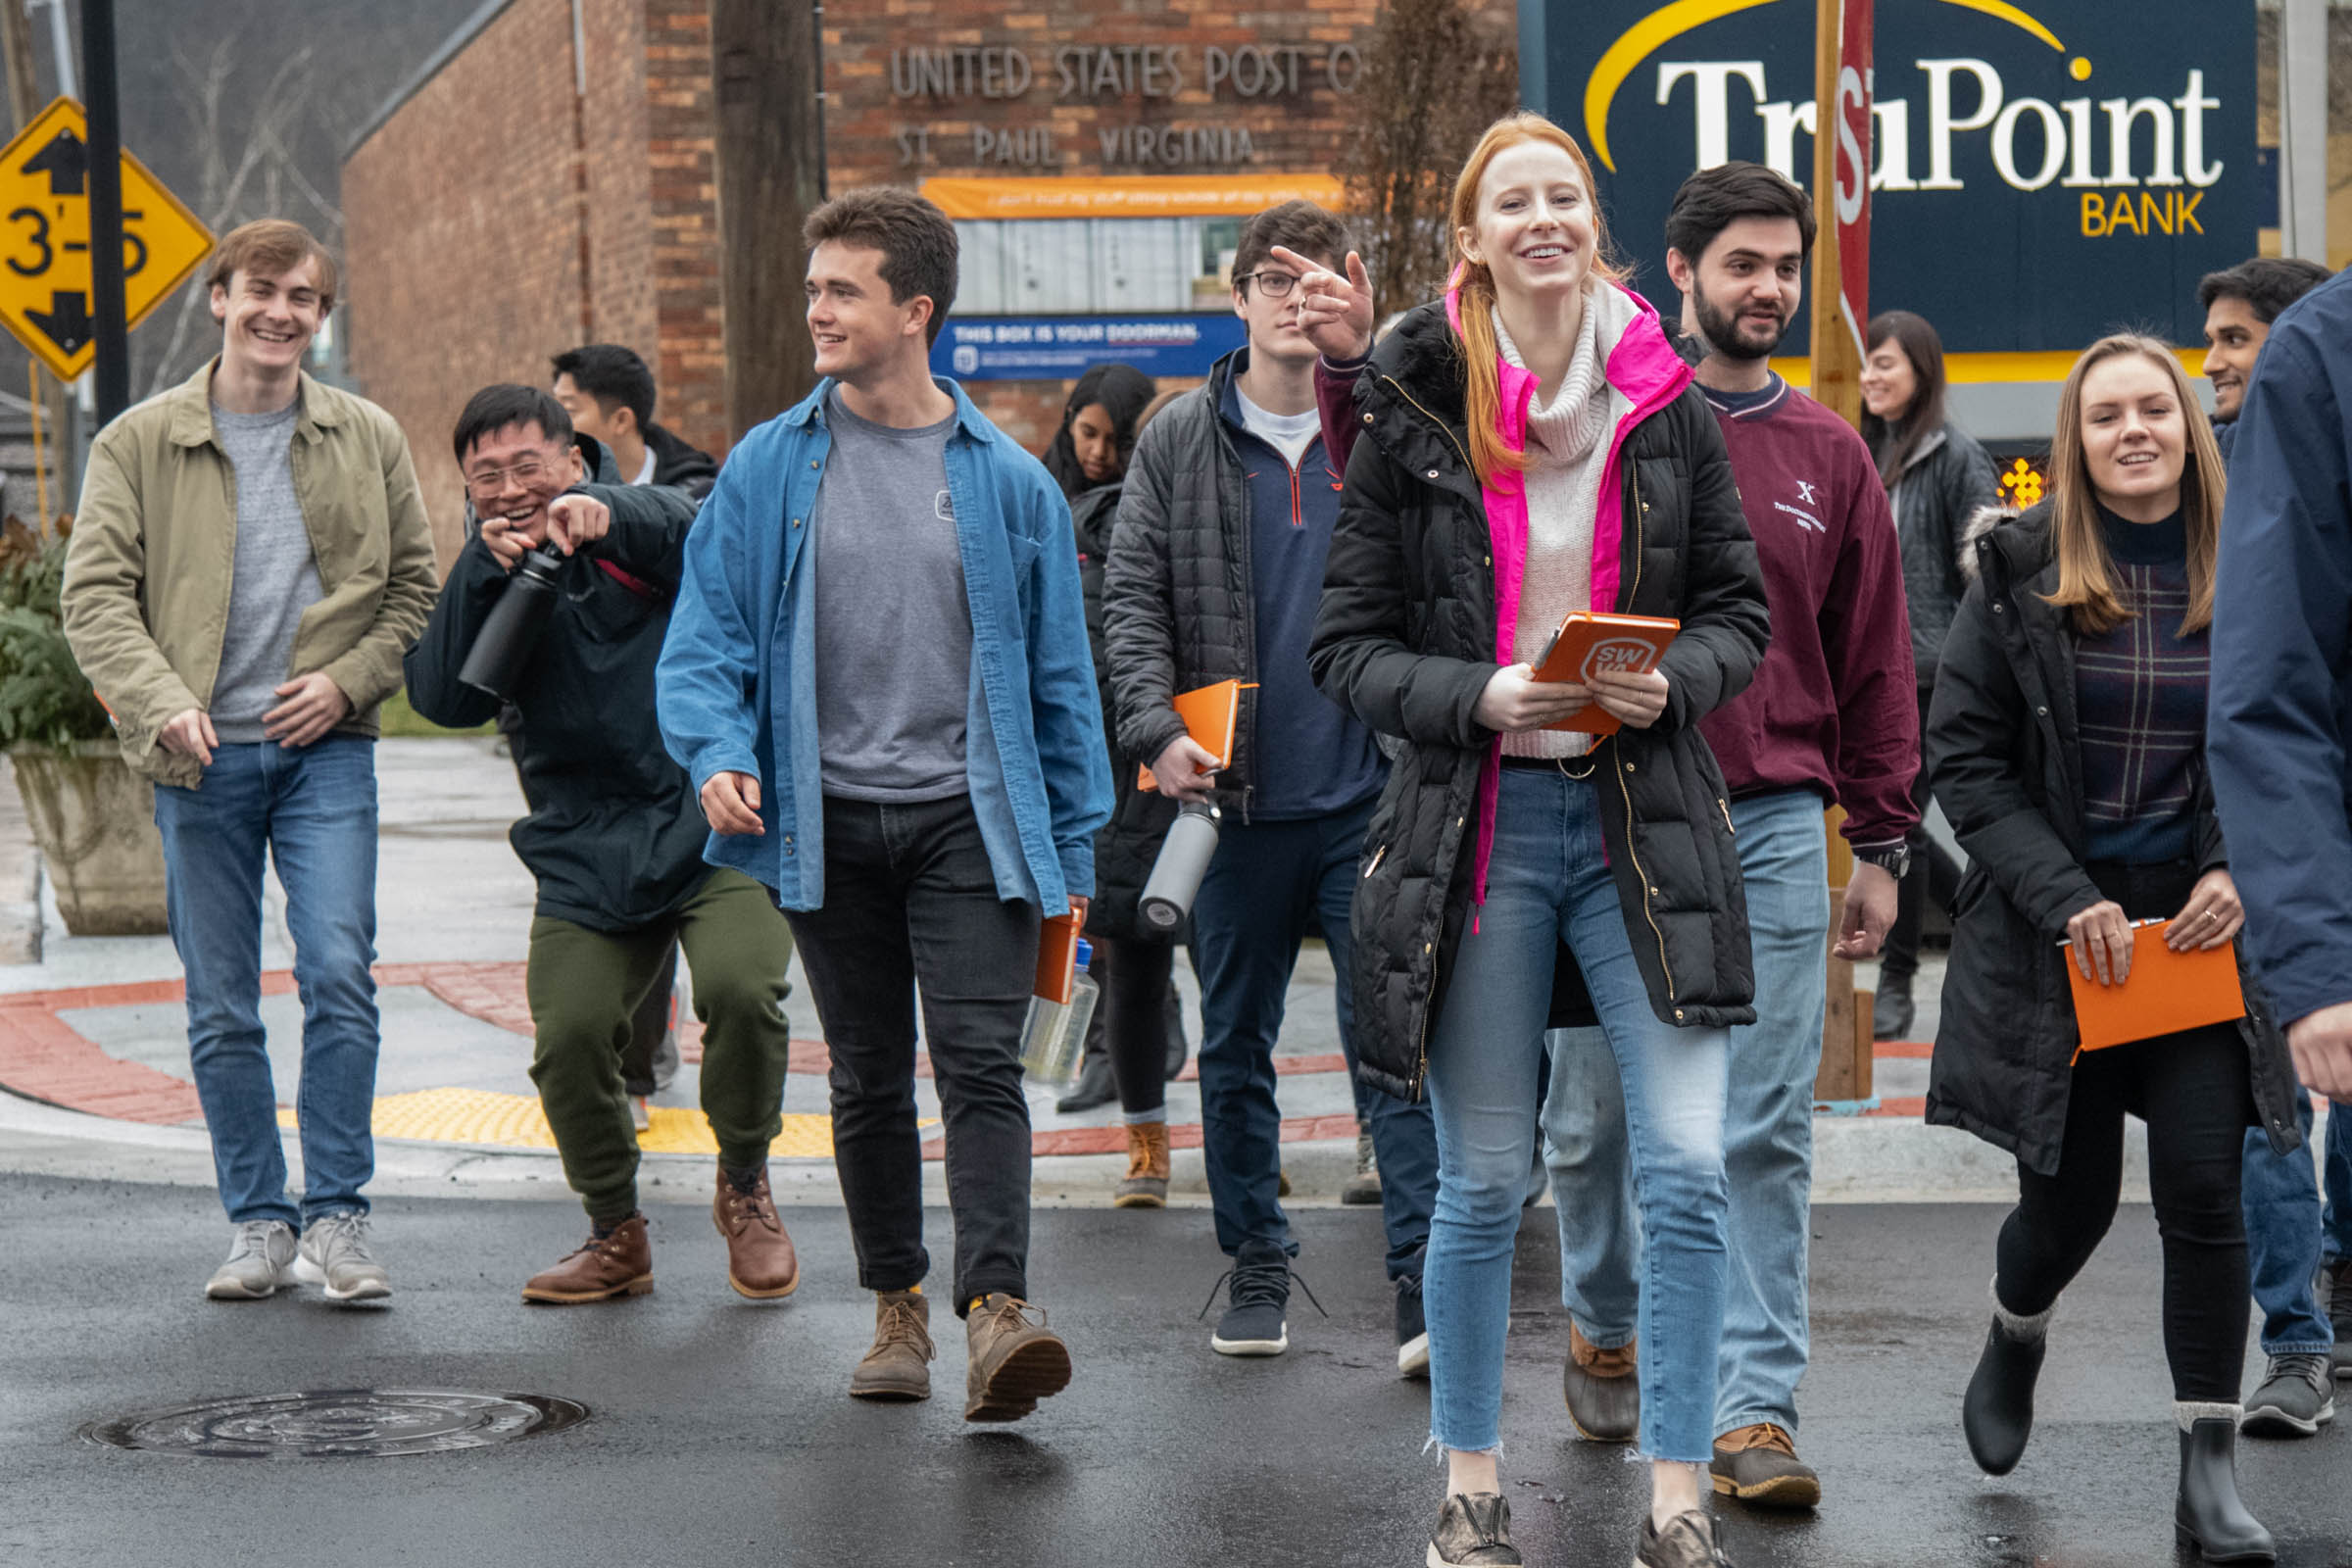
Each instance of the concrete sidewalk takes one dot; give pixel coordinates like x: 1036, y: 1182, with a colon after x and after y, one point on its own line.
x: 93, y: 1048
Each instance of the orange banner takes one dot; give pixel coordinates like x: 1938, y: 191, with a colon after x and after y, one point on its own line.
x: 1136, y: 196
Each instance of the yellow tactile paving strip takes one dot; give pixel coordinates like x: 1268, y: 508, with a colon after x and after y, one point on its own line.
x: 515, y: 1122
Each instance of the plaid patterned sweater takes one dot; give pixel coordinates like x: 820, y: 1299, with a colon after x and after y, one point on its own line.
x: 2139, y: 697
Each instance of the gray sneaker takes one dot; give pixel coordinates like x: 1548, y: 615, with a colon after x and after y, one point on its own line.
x: 2296, y: 1399
x: 334, y: 1254
x: 258, y: 1259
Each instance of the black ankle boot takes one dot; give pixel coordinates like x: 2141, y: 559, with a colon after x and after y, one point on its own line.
x: 2209, y: 1515
x: 1997, y: 1414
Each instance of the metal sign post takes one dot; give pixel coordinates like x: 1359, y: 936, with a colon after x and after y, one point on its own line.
x: 109, y: 326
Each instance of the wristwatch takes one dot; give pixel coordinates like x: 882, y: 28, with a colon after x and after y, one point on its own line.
x: 1895, y: 860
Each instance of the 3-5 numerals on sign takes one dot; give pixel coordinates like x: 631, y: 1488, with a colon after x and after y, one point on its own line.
x: 135, y: 248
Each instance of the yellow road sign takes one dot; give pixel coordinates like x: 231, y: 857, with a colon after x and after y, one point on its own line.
x: 45, y: 294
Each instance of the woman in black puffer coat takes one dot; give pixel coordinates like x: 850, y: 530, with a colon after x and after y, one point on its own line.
x: 1490, y: 491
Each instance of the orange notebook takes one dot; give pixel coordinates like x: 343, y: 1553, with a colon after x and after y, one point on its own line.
x: 1056, y: 957
x: 1209, y: 714
x: 1587, y: 644
x: 2165, y: 992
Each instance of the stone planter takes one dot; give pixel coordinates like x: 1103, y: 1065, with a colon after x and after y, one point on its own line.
x: 94, y: 820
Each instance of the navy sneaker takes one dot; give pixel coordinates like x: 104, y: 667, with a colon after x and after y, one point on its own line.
x: 1259, y: 1292
x: 1412, y: 1331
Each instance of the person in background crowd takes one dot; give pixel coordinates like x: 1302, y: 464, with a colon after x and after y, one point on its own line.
x: 2281, y: 717
x: 1536, y: 428
x: 614, y: 841
x: 2288, y: 1233
x: 1134, y: 963
x: 1215, y: 571
x: 251, y: 559
x: 2240, y: 303
x: 1831, y: 719
x: 609, y: 394
x: 1935, y: 477
x: 2067, y: 745
x: 919, y: 788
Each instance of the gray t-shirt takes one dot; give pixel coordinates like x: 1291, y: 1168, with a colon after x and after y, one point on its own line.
x: 274, y: 579
x: 894, y: 630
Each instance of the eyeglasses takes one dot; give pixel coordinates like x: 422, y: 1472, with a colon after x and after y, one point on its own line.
x: 1273, y: 285
x: 492, y: 481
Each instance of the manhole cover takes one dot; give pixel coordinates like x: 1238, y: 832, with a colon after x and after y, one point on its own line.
x: 339, y: 1424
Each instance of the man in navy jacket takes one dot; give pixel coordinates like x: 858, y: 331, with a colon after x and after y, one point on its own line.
x: 2279, y: 716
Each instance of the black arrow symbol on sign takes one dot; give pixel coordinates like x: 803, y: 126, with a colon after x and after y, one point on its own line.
x: 65, y: 324
x: 63, y: 159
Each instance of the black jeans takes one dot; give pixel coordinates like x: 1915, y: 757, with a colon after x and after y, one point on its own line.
x: 1934, y: 875
x: 2193, y: 1092
x: 1134, y: 974
x: 910, y: 904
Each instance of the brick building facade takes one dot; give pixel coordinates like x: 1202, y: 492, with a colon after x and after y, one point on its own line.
x: 546, y: 179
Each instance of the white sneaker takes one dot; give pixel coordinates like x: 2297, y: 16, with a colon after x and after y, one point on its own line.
x: 334, y: 1254
x: 258, y: 1261
x: 641, y: 1113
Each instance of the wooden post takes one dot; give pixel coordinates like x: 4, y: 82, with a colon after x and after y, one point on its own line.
x: 768, y: 162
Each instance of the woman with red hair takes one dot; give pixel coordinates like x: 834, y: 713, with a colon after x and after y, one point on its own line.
x: 1532, y: 445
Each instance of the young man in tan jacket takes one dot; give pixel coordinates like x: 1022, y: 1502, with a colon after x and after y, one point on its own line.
x: 251, y: 561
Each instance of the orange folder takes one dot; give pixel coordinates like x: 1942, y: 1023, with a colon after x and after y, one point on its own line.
x: 2165, y: 992
x: 1588, y: 643
x: 1056, y: 957
x: 1209, y: 714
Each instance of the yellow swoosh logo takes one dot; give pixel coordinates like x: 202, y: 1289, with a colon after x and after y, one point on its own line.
x: 1668, y: 22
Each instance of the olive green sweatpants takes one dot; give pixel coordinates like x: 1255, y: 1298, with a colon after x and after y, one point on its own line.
x: 584, y: 986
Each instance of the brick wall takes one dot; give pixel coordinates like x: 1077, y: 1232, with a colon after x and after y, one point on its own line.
x: 692, y: 370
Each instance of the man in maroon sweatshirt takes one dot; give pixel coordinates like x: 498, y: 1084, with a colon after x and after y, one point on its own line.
x: 1831, y: 719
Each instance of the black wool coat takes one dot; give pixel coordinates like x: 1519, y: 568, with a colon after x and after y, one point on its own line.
x: 1130, y: 841
x: 2003, y: 753
x: 1405, y: 641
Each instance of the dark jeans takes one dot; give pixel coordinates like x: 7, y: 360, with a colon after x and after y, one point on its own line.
x: 1134, y: 975
x: 1933, y: 877
x: 2192, y: 1089
x: 1251, y: 914
x: 912, y: 907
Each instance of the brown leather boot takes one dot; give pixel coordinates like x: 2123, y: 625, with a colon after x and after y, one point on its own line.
x: 760, y: 1262
x: 899, y: 1366
x: 1012, y: 1361
x: 619, y: 1262
x: 1147, y: 1183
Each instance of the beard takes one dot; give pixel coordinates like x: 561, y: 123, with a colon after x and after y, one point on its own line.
x: 1735, y: 337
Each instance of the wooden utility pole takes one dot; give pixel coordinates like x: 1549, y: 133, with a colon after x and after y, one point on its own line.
x: 770, y: 166
x: 1836, y: 367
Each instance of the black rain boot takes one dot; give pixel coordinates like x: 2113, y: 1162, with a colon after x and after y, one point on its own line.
x: 2209, y: 1515
x: 1997, y: 1413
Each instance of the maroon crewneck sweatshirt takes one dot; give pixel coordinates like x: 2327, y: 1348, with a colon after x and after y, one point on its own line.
x: 1835, y: 707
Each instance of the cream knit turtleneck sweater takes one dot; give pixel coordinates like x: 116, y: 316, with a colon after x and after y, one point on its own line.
x: 1563, y: 490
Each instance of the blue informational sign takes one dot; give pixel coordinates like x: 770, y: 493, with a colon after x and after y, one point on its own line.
x: 2041, y: 172
x: 1062, y: 348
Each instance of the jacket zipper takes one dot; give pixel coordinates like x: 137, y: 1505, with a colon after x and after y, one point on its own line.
x: 1627, y: 795
x: 1434, y: 420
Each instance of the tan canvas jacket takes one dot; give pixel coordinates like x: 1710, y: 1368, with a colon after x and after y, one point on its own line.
x: 147, y: 574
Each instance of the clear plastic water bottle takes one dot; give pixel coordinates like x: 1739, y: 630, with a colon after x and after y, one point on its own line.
x: 1055, y: 1035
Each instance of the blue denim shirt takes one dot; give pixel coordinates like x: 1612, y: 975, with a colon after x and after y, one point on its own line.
x: 736, y: 683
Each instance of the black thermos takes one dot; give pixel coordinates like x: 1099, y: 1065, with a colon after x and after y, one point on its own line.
x: 502, y: 647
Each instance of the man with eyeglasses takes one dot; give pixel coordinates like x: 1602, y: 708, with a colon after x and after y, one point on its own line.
x: 250, y: 560
x: 615, y: 838
x: 1215, y: 573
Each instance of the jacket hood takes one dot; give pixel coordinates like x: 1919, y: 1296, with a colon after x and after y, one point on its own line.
x: 1092, y: 515
x: 2022, y: 539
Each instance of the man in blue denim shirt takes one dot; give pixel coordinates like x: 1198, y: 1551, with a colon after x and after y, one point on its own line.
x: 864, y: 558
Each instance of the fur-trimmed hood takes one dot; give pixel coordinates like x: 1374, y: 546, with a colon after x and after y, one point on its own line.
x: 2023, y: 537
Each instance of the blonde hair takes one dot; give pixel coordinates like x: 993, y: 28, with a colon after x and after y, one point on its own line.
x: 1474, y: 283
x: 2087, y: 582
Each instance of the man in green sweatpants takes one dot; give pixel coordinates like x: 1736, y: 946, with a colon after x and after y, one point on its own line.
x: 614, y: 836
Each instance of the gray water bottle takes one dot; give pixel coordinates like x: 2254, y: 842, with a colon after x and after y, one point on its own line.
x: 1184, y: 857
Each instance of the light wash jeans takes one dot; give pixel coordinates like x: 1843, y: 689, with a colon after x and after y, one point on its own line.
x: 314, y: 811
x: 1768, y: 1136
x: 1550, y: 882
x: 2289, y: 1234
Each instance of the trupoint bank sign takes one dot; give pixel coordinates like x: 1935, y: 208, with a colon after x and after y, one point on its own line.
x: 2039, y: 177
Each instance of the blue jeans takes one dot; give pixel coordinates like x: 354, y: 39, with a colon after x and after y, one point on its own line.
x: 1549, y: 882
x: 1247, y: 922
x: 313, y: 810
x: 1768, y: 1135
x: 2289, y: 1234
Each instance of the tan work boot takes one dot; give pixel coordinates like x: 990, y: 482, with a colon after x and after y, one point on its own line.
x: 1013, y: 1362
x: 1147, y: 1183
x: 760, y: 1262
x: 619, y: 1262
x: 898, y: 1369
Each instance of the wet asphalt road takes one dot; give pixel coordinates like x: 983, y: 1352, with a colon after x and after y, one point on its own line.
x: 721, y: 1435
